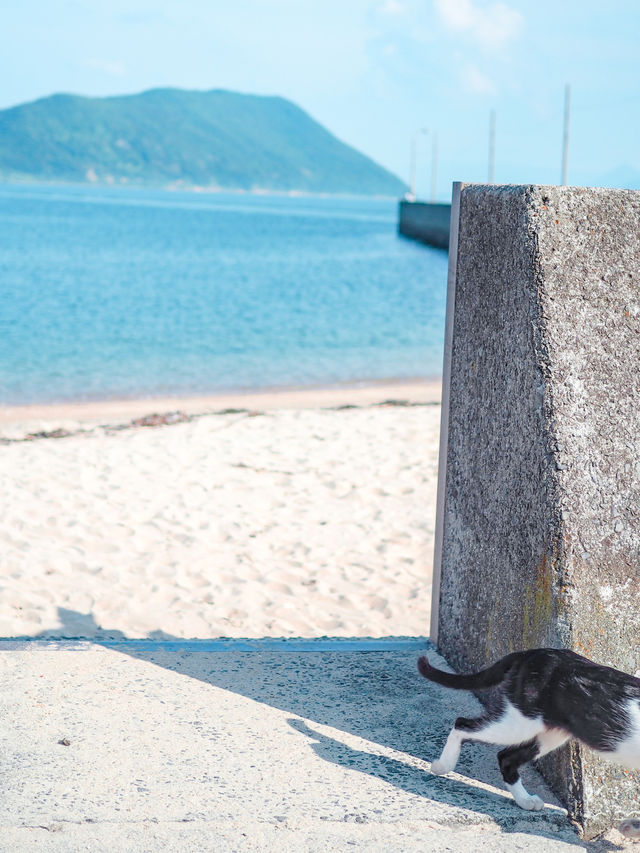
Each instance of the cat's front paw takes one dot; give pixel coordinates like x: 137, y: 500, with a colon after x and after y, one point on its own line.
x: 630, y: 827
x: 439, y: 768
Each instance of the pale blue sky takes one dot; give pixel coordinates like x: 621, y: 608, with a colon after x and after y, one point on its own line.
x: 372, y: 71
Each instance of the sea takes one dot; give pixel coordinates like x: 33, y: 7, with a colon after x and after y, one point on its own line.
x: 111, y: 292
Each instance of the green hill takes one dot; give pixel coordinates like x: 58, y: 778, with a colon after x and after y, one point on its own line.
x: 183, y: 138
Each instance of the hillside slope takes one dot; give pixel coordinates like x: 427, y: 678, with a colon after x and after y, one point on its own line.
x: 183, y: 138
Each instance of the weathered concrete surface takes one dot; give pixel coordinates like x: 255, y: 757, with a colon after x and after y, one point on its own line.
x: 427, y: 222
x: 541, y: 534
x: 174, y: 747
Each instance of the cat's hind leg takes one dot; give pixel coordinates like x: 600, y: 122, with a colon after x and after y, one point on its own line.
x: 461, y: 731
x: 511, y: 760
x: 510, y: 728
x: 630, y: 827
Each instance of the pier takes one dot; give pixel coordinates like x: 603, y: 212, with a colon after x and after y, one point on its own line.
x: 427, y: 222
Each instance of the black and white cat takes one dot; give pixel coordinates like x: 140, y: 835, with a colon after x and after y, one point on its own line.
x: 542, y: 698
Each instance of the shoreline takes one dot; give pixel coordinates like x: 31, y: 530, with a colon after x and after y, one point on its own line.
x: 190, y: 189
x: 365, y: 393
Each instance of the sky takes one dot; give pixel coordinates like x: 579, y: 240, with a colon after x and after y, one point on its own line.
x: 384, y: 76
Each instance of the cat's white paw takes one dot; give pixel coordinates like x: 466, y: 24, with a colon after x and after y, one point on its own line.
x: 530, y: 802
x: 439, y: 768
x: 630, y: 827
x: 536, y: 804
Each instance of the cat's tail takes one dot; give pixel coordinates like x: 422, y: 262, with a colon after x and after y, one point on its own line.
x: 489, y: 677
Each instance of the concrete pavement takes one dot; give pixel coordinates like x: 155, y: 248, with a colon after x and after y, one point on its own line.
x: 313, y: 745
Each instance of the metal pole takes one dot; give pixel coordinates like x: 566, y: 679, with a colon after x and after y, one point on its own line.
x: 414, y: 151
x: 565, y: 138
x: 434, y: 168
x: 412, y: 175
x: 492, y: 144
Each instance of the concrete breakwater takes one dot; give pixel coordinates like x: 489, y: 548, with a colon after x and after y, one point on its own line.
x: 537, y: 537
x: 427, y: 222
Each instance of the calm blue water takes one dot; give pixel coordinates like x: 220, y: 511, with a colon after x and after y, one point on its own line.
x: 119, y: 293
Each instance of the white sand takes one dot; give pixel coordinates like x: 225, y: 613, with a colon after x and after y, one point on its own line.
x: 298, y: 521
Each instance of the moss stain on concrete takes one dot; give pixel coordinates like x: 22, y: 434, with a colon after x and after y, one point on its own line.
x: 538, y: 606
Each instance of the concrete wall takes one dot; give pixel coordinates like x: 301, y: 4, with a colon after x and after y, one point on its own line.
x: 428, y: 223
x: 538, y: 533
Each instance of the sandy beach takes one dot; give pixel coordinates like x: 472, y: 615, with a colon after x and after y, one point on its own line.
x: 293, y: 513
